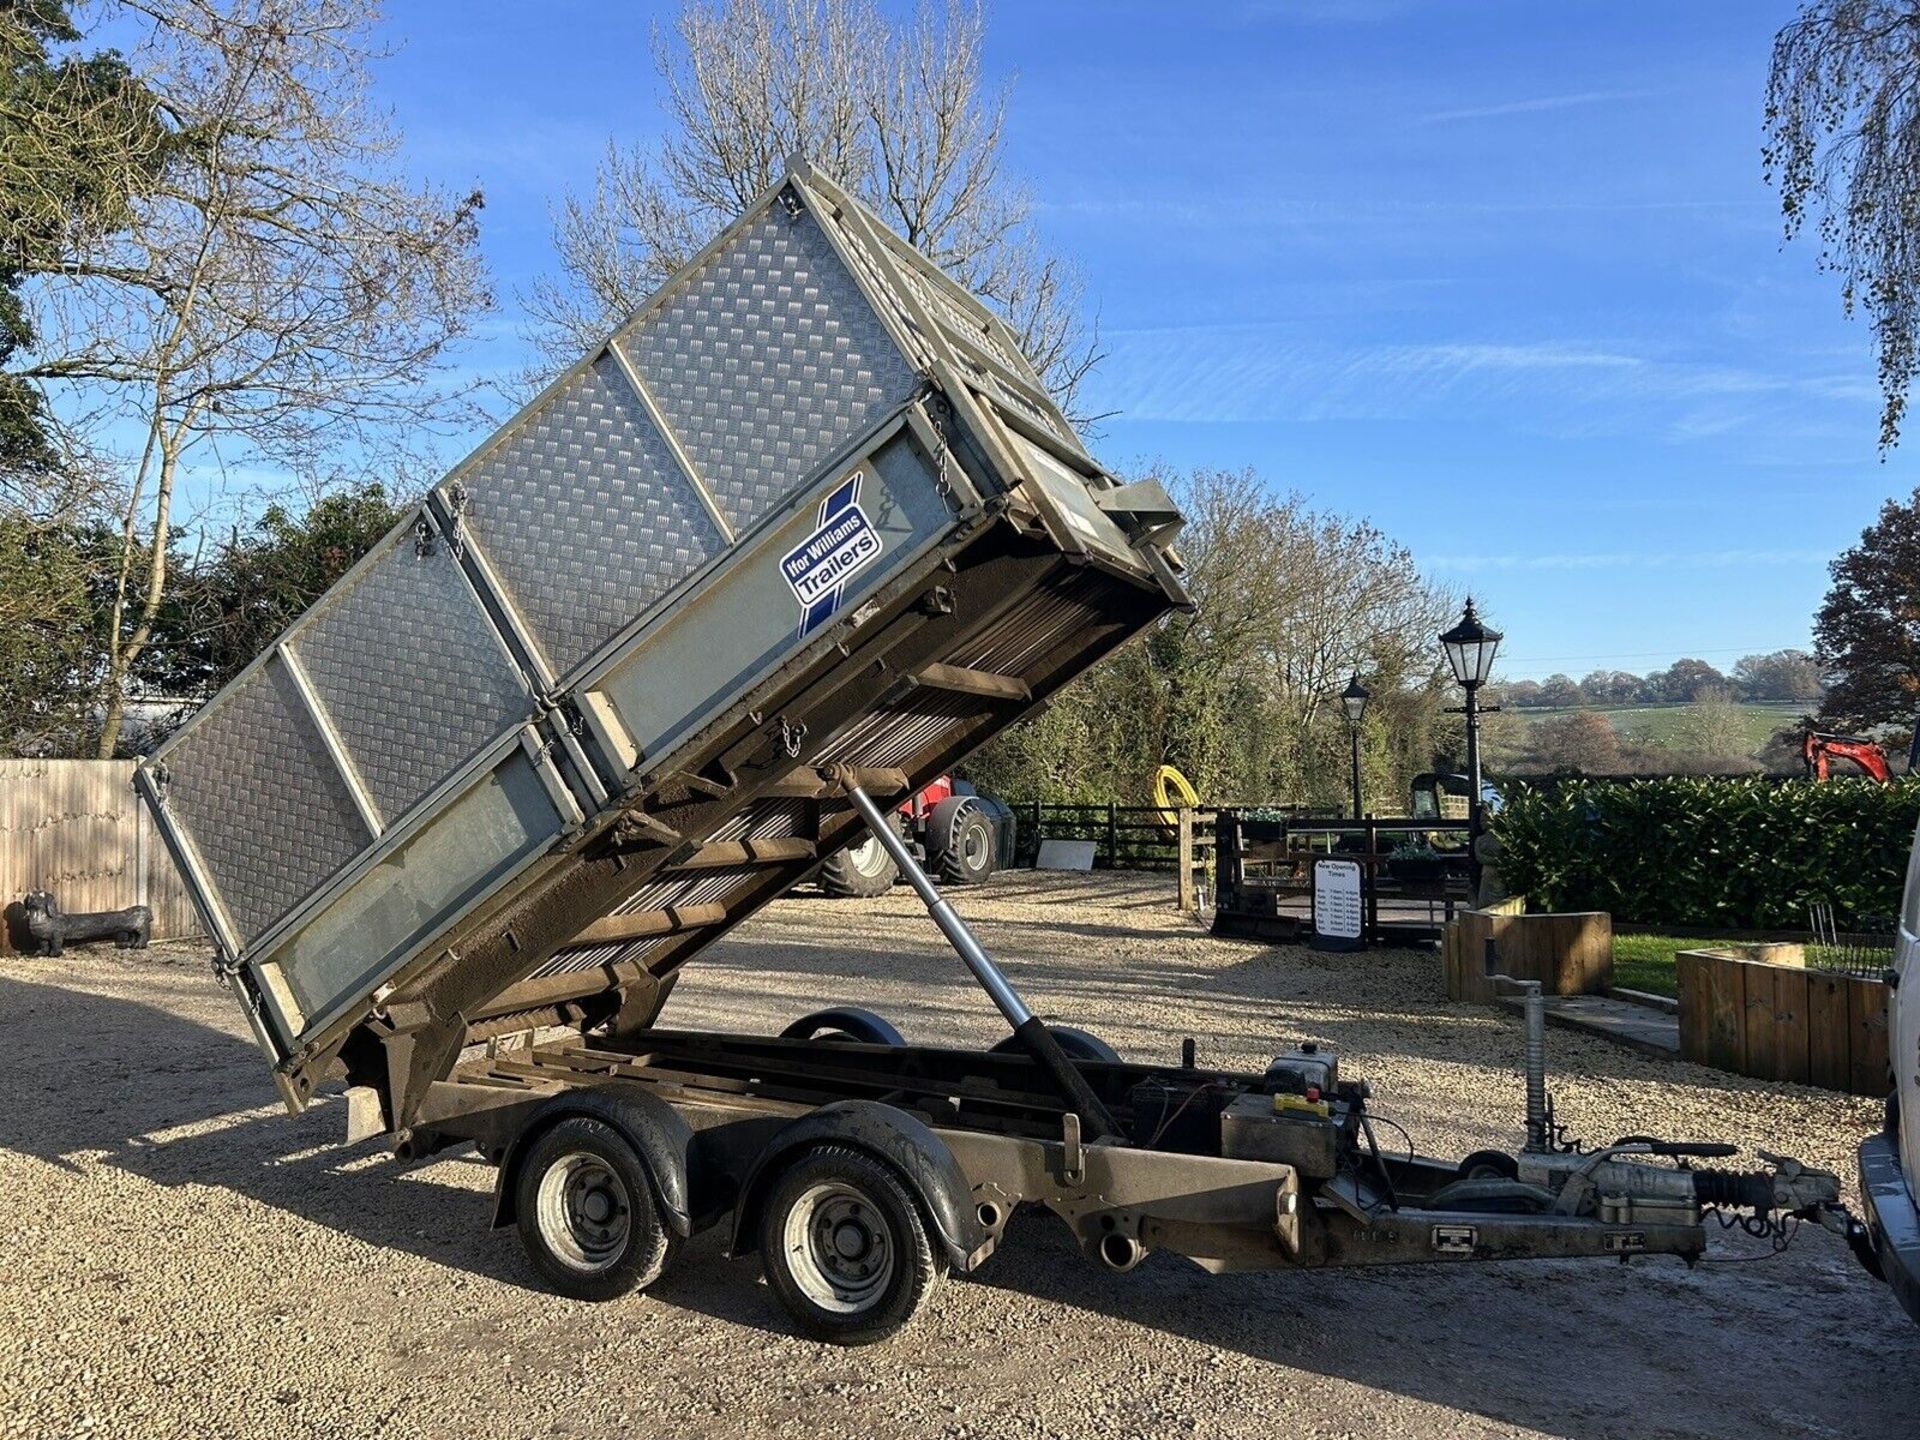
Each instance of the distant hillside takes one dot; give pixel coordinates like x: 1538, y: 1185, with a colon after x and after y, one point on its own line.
x: 1658, y: 724
x: 1709, y: 736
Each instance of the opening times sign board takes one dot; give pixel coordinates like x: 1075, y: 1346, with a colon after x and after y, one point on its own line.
x: 1339, y: 906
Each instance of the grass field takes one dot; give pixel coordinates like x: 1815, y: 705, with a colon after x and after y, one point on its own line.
x: 1645, y: 962
x: 1658, y: 723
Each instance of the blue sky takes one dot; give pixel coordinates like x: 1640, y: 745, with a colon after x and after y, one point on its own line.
x: 1504, y: 278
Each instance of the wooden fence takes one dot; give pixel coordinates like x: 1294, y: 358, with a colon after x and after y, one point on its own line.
x: 76, y: 828
x: 1783, y: 1022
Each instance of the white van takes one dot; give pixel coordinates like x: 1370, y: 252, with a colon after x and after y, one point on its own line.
x: 1890, y: 1161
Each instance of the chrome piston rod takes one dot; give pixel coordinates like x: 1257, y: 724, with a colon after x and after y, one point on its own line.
x: 997, y: 986
x: 1026, y: 1025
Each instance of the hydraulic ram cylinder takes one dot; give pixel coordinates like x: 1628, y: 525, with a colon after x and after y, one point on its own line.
x: 1031, y: 1030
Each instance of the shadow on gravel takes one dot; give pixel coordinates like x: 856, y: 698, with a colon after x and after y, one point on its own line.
x: 1581, y: 1350
x: 114, y: 1082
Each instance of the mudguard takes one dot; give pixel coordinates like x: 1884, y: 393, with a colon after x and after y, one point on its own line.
x: 657, y: 1132
x: 920, y: 1158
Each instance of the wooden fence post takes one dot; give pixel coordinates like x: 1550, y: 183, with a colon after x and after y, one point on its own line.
x: 1113, y: 835
x: 1189, y: 902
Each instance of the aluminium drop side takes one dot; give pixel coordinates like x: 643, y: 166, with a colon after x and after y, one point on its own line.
x: 559, y: 729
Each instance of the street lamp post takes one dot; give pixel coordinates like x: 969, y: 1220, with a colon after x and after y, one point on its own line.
x: 1354, y: 700
x: 1470, y: 648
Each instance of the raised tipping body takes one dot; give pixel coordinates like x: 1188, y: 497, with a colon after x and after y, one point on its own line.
x: 557, y: 732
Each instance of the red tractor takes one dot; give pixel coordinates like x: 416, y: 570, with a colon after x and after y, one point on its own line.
x: 959, y: 834
x: 1818, y: 749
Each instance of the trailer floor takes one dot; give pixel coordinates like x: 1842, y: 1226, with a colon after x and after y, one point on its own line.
x: 181, y: 1259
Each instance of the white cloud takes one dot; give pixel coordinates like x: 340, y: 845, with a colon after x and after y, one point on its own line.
x: 1535, y: 106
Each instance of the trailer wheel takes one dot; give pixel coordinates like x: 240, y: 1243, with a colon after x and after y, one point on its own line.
x: 846, y: 1248
x: 844, y: 1022
x: 1488, y: 1165
x: 1078, y: 1045
x: 859, y: 871
x: 587, y: 1215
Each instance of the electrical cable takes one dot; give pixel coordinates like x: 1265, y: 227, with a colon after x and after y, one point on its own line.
x: 1167, y: 1122
x: 1388, y: 1120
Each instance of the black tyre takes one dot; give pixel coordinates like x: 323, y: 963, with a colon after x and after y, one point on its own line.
x: 845, y: 1247
x: 844, y: 1022
x: 587, y: 1214
x: 859, y: 871
x: 968, y: 858
x: 1488, y: 1165
x: 1078, y: 1044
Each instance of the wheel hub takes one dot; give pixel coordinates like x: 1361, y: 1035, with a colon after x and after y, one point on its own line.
x: 583, y: 1212
x: 840, y: 1246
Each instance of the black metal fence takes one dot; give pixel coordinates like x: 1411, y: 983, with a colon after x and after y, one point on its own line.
x: 1263, y: 873
x: 1125, y: 837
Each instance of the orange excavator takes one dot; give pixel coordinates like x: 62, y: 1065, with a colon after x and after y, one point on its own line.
x: 1819, y: 749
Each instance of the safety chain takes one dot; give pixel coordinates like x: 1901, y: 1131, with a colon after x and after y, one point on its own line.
x: 568, y: 721
x: 458, y: 498
x: 940, y: 414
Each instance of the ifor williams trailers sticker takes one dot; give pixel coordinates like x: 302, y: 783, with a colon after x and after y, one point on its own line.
x: 843, y: 543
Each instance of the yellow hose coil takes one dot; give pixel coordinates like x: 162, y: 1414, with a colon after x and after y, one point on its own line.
x: 1167, y: 784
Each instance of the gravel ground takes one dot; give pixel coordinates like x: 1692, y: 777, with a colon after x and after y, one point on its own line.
x: 181, y: 1259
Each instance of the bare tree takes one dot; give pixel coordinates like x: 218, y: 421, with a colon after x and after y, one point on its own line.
x: 1241, y: 694
x: 896, y: 112
x: 281, y: 293
x: 1843, y: 144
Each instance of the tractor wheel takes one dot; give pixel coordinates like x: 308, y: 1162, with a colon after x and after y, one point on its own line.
x: 968, y: 857
x: 859, y: 871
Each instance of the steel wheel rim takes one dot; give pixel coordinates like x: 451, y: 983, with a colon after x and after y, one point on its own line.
x: 584, y: 1212
x: 973, y: 845
x: 839, y: 1247
x: 869, y: 857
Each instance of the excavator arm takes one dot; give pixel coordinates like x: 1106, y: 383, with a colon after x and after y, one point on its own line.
x: 1820, y: 749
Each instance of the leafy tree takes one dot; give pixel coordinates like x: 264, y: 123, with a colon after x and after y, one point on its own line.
x: 1519, y: 694
x: 896, y: 110
x: 1242, y: 694
x: 79, y: 136
x: 1686, y: 680
x: 1867, y: 630
x: 1710, y: 738
x: 1843, y: 145
x: 229, y: 610
x: 49, y: 635
x: 1559, y: 691
x: 1791, y: 676
x: 1611, y: 687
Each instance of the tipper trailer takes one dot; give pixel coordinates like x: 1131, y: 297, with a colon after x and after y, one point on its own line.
x: 795, y: 540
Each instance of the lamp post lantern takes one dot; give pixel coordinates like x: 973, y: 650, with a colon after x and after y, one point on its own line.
x: 1353, y: 700
x: 1470, y: 648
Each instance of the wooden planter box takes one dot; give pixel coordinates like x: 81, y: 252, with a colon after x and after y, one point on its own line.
x: 1570, y: 954
x: 1756, y: 1010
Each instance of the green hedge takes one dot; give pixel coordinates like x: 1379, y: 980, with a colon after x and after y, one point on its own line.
x: 1743, y: 854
